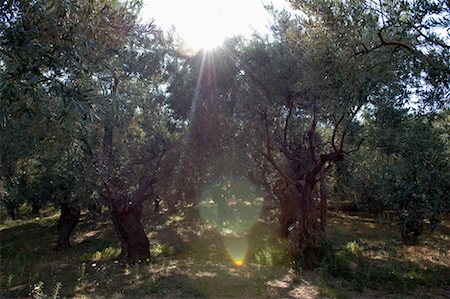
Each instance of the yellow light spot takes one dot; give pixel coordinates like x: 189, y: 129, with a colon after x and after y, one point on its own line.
x: 238, y: 263
x: 237, y: 248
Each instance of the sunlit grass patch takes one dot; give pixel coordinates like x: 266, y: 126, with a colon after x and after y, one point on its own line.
x: 107, y: 253
x: 377, y: 259
x: 158, y: 249
x: 174, y: 218
x: 273, y: 254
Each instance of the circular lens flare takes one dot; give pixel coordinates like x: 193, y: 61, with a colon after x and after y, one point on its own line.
x: 231, y: 205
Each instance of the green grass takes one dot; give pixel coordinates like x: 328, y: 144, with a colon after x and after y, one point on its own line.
x: 367, y: 258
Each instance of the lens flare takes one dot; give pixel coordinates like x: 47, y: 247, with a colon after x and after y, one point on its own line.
x: 231, y: 205
x: 237, y: 248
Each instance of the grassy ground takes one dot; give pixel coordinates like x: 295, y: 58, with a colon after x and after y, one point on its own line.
x: 191, y: 260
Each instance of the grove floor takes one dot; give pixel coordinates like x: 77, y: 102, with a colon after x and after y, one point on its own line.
x: 191, y: 260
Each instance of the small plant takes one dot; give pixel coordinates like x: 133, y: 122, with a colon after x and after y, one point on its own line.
x: 9, y: 281
x: 161, y: 249
x: 354, y: 247
x: 174, y: 219
x: 56, y: 290
x: 105, y: 254
x: 38, y: 291
x: 264, y: 257
x: 271, y: 255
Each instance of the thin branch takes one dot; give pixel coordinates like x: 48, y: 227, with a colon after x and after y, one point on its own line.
x: 356, y: 149
x: 330, y: 157
x: 269, y: 157
x: 333, y: 137
x: 286, y: 124
x: 352, y: 116
x: 283, y: 175
x: 383, y: 43
x: 310, y: 133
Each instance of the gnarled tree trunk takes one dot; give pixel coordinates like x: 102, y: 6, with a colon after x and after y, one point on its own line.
x: 286, y: 218
x: 135, y: 246
x: 305, y: 233
x: 68, y: 220
x: 299, y: 218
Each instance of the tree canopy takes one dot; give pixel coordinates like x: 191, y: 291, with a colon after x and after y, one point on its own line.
x: 100, y: 109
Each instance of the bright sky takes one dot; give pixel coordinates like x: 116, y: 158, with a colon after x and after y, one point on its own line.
x: 206, y: 23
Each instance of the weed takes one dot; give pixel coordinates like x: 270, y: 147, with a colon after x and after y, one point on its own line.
x: 272, y: 255
x: 38, y: 291
x: 56, y: 290
x: 107, y: 253
x: 354, y: 247
x: 264, y: 257
x: 159, y: 249
x: 174, y: 218
x: 9, y: 281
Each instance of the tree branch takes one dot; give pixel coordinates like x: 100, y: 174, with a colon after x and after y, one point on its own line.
x: 348, y: 123
x: 269, y: 157
x: 356, y: 149
x: 383, y: 43
x: 311, y: 138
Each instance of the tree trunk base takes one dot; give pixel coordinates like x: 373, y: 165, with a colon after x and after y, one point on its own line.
x: 70, y: 216
x: 307, y: 251
x: 411, y: 230
x: 133, y: 239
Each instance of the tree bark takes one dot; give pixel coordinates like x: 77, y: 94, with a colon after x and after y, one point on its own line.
x: 286, y: 219
x: 135, y: 246
x: 305, y: 234
x: 68, y: 220
x: 323, y: 200
x: 411, y: 229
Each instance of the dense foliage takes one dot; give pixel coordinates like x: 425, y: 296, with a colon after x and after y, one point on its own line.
x: 98, y: 109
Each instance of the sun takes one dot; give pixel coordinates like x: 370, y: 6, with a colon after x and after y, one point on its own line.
x: 205, y: 24
x: 205, y: 37
x: 206, y: 29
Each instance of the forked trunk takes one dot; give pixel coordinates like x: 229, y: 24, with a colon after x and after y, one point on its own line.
x: 68, y: 220
x: 126, y: 212
x: 133, y: 239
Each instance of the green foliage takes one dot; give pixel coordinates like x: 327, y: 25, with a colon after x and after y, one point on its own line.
x: 276, y: 254
x: 107, y: 253
x: 95, y: 105
x: 407, y: 170
x: 159, y: 249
